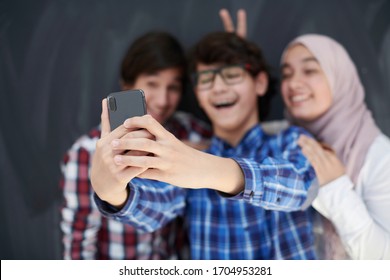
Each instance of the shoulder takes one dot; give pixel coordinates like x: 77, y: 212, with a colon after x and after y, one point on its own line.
x: 87, y: 141
x: 275, y: 126
x: 380, y: 146
x: 378, y: 155
x: 284, y: 133
x: 282, y: 128
x: 185, y: 121
x: 374, y: 172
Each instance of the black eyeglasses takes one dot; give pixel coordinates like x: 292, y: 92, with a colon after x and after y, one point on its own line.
x: 231, y: 74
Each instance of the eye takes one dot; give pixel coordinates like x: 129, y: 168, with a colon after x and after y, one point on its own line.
x: 232, y: 73
x: 205, y: 78
x: 152, y: 84
x: 286, y: 75
x: 175, y: 88
x: 310, y: 71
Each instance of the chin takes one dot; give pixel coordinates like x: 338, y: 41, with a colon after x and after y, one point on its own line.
x: 301, y: 116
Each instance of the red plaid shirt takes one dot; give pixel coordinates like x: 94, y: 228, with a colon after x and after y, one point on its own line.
x: 89, y: 235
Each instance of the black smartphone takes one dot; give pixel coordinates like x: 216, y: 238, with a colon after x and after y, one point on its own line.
x: 125, y: 104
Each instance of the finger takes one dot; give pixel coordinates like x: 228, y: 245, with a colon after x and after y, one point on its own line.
x: 128, y: 173
x: 226, y: 20
x: 309, y: 154
x: 135, y: 153
x: 326, y: 147
x: 332, y: 157
x: 136, y: 144
x: 312, y: 150
x: 309, y: 143
x: 138, y: 161
x: 152, y: 174
x: 105, y: 119
x: 241, y: 23
x: 140, y: 133
x: 149, y: 123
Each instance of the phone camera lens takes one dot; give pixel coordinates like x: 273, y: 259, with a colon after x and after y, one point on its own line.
x: 112, y: 103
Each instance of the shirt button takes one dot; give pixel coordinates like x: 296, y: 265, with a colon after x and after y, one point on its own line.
x: 278, y: 199
x: 251, y: 195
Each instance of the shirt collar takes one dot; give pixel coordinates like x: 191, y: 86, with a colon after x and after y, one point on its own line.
x: 252, y: 139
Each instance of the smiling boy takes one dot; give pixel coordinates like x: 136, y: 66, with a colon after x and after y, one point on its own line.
x: 243, y: 198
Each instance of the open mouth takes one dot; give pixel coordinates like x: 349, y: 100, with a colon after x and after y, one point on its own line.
x: 224, y: 104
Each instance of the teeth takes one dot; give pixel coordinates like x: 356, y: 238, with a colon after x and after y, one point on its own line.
x: 299, y: 98
x: 223, y: 102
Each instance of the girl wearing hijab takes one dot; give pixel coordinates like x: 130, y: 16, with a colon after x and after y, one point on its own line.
x: 323, y: 93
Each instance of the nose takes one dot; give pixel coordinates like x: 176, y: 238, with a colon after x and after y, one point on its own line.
x: 162, y: 97
x: 295, y: 81
x: 219, y: 84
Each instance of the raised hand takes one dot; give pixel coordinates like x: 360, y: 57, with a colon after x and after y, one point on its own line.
x: 108, y: 179
x: 170, y: 160
x: 241, y: 29
x: 324, y: 160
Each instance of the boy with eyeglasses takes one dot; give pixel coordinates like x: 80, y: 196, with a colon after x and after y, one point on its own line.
x: 243, y: 198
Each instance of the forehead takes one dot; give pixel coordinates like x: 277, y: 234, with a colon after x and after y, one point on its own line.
x: 173, y: 73
x: 204, y: 67
x: 298, y: 54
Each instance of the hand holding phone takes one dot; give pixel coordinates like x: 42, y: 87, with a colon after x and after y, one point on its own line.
x: 125, y: 104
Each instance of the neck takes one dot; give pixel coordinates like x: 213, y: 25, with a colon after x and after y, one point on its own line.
x: 234, y: 136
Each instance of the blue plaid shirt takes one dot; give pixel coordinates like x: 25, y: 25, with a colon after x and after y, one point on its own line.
x: 262, y: 222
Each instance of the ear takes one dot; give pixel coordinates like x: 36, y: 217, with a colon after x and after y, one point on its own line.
x: 261, y: 83
x: 125, y: 86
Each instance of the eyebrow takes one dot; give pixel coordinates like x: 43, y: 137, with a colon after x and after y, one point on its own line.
x: 306, y: 59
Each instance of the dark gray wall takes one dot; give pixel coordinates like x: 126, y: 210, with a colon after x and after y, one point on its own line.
x: 58, y: 59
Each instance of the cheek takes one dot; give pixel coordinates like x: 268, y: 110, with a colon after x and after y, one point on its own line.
x: 201, y: 98
x: 284, y: 91
x: 174, y: 99
x: 148, y: 97
x: 324, y: 94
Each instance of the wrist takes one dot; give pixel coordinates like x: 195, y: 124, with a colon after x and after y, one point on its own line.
x: 227, y: 175
x: 117, y: 200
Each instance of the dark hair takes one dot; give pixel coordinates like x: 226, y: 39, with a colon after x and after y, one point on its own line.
x: 150, y: 53
x: 229, y: 48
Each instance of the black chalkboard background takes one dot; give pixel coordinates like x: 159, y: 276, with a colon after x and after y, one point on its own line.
x: 58, y: 59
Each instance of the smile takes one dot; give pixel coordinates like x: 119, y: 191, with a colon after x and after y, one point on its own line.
x: 226, y: 103
x: 299, y: 98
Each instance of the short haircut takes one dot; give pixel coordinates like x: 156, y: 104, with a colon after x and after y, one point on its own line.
x: 229, y: 48
x: 150, y: 53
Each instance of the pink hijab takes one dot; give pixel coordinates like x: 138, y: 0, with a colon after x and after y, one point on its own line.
x: 348, y: 126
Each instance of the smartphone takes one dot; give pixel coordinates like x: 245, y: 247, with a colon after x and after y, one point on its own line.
x: 125, y: 104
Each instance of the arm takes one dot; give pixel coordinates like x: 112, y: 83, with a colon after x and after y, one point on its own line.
x: 169, y: 160
x: 273, y: 183
x: 360, y: 212
x: 80, y: 218
x: 150, y: 205
x: 282, y: 183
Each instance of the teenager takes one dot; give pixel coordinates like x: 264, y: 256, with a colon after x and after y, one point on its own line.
x: 322, y: 92
x: 243, y: 198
